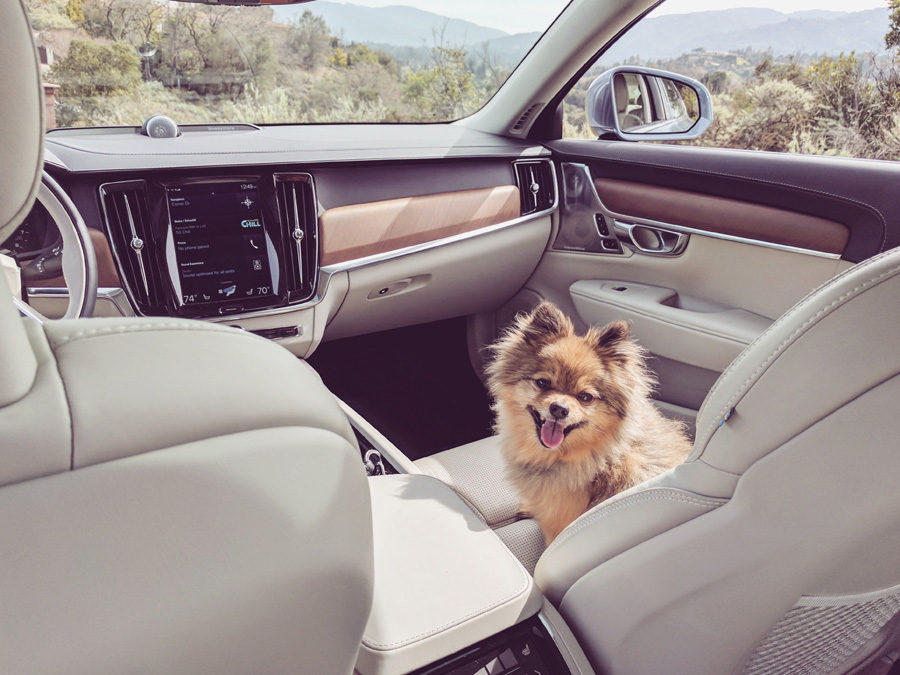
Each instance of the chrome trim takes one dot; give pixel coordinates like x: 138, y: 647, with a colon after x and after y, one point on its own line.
x: 626, y: 230
x: 286, y: 177
x: 29, y: 311
x: 428, y: 245
x: 704, y: 233
x: 322, y: 284
x: 114, y: 294
x: 137, y: 244
x: 104, y: 190
x: 297, y: 234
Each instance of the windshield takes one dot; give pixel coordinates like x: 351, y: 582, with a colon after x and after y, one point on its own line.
x: 117, y: 62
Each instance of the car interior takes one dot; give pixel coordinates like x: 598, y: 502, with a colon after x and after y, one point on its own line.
x: 292, y: 468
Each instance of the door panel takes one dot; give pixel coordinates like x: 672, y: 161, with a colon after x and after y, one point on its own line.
x: 763, y: 230
x: 722, y: 215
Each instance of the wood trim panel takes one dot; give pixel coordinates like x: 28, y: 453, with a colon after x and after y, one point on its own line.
x: 360, y: 230
x: 722, y: 215
x: 107, y: 275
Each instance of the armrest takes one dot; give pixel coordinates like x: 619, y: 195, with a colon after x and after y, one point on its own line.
x: 443, y: 579
x: 669, y: 323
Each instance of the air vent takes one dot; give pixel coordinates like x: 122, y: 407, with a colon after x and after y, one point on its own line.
x: 299, y: 216
x: 537, y: 189
x: 525, y: 117
x: 132, y: 240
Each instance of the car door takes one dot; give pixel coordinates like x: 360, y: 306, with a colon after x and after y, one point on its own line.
x: 702, y: 248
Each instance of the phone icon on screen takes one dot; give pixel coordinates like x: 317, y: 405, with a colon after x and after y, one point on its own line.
x: 254, y: 245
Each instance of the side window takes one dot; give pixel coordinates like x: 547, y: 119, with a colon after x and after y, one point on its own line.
x: 799, y: 76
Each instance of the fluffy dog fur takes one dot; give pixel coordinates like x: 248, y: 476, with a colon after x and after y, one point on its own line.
x: 574, y: 416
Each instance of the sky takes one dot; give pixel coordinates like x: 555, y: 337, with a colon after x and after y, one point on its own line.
x: 532, y: 15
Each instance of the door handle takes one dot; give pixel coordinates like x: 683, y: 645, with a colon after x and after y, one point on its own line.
x: 649, y: 239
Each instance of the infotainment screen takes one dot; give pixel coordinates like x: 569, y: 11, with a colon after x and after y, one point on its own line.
x: 221, y: 249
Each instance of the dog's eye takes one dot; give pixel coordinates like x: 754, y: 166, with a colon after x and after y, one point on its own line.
x: 542, y: 383
x: 585, y: 397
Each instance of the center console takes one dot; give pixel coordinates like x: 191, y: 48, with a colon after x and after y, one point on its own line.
x: 212, y: 246
x: 449, y: 597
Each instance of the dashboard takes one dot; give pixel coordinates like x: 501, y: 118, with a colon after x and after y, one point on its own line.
x: 295, y: 231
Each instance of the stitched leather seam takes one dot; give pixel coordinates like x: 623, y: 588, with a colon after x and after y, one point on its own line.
x: 865, y: 285
x: 367, y: 641
x: 453, y: 622
x: 643, y: 497
x: 747, y: 179
x: 148, y: 327
x: 781, y: 320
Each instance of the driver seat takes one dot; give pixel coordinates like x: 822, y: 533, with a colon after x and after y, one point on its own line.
x: 176, y: 496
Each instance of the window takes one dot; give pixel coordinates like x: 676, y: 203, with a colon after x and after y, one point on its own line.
x: 807, y: 77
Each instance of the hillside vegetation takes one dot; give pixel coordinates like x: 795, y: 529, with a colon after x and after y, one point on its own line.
x: 120, y: 61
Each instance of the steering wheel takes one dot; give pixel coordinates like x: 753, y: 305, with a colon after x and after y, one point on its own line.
x: 79, y: 263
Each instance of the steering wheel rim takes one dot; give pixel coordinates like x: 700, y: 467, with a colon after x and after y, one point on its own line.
x: 79, y: 262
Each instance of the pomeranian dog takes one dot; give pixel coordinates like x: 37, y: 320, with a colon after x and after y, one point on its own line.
x: 574, y: 415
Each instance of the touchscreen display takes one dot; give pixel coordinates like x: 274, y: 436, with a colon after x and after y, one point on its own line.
x: 220, y: 246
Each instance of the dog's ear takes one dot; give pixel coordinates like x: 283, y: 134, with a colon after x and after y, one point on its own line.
x: 613, y: 341
x: 513, y: 354
x: 543, y: 323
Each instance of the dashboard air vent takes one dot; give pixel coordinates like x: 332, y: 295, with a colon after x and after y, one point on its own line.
x: 525, y: 117
x: 536, y: 186
x: 132, y: 240
x: 298, y: 212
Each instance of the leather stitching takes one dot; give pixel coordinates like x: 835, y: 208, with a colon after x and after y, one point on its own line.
x: 779, y: 322
x: 642, y: 497
x: 744, y: 387
x: 454, y: 622
x: 144, y: 327
x: 526, y: 578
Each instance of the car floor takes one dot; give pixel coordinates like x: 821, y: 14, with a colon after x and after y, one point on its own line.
x: 415, y: 385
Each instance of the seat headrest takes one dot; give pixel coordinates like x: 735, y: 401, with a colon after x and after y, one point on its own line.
x: 22, y: 112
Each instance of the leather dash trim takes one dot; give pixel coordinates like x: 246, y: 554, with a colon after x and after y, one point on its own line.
x: 360, y: 230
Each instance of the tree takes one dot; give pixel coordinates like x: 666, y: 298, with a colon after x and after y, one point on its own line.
x: 91, y: 69
x: 75, y: 12
x: 48, y: 14
x: 445, y: 91
x: 310, y: 40
x: 892, y: 38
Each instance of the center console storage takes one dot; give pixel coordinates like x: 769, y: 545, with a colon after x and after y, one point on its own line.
x: 449, y: 595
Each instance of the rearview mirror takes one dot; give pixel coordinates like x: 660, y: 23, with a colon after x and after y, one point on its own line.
x: 636, y: 104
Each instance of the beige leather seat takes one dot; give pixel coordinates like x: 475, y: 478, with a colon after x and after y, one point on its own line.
x: 776, y: 546
x: 175, y: 496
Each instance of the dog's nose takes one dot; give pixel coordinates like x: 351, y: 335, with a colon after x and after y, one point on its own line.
x: 558, y: 411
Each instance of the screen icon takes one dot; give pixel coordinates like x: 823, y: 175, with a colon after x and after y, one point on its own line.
x: 228, y: 290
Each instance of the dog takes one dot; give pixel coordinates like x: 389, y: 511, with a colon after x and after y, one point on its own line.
x: 574, y: 416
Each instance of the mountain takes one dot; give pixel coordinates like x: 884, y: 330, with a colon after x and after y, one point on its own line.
x: 394, y: 25
x: 408, y: 33
x: 811, y: 32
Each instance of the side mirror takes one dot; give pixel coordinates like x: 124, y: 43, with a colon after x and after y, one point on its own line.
x: 642, y: 104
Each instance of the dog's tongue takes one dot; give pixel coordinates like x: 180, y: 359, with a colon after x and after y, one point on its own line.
x: 552, y: 434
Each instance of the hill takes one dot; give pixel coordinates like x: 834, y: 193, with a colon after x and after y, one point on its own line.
x: 394, y: 25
